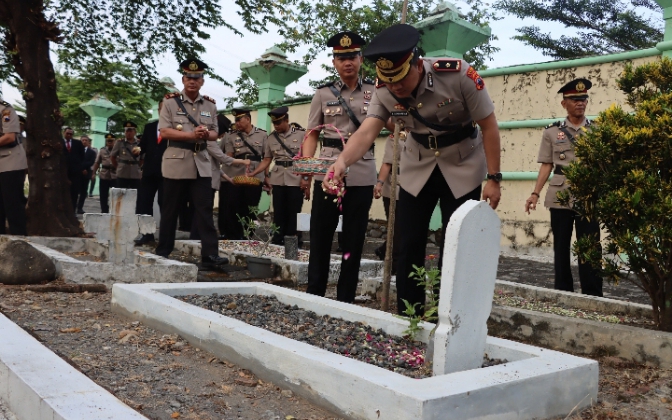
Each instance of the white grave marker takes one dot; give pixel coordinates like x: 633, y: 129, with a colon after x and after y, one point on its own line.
x: 470, y: 257
x: 121, y: 226
x: 303, y: 222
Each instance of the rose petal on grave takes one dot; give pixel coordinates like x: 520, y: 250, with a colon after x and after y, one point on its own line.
x: 346, y: 255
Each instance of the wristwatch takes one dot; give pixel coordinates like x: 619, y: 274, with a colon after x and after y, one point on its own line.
x: 495, y: 177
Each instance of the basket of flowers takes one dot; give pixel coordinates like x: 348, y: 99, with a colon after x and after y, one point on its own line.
x: 305, y: 165
x: 248, y: 181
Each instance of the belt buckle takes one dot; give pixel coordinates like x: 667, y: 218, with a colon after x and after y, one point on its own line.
x: 197, y: 147
x: 434, y: 147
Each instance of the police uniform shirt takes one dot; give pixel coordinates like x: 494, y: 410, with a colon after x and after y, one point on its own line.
x: 233, y: 144
x: 387, y: 158
x: 443, y: 97
x: 104, y: 161
x: 325, y: 109
x: 180, y: 163
x: 128, y: 165
x: 217, y: 158
x: 11, y: 158
x: 558, y: 149
x: 280, y: 175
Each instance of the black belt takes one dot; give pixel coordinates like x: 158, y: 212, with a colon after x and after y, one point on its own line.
x: 559, y: 170
x: 284, y: 163
x: 129, y: 162
x: 250, y: 156
x: 338, y: 143
x: 10, y: 145
x: 194, y: 147
x: 430, y: 141
x: 107, y: 167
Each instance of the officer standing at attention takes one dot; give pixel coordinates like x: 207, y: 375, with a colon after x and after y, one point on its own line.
x: 445, y: 157
x: 13, y: 165
x: 247, y: 142
x: 343, y: 104
x: 187, y: 121
x: 557, y: 149
x: 282, y: 145
x: 106, y: 172
x: 125, y: 158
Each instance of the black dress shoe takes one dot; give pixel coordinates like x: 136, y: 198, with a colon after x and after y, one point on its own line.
x: 145, y: 239
x: 380, y: 252
x: 80, y: 211
x: 214, y: 261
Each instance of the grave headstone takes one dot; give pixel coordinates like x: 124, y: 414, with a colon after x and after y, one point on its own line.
x: 121, y: 226
x: 21, y: 263
x: 470, y: 258
x: 292, y: 248
x: 303, y: 222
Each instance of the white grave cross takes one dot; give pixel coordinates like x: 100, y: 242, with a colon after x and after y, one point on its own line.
x: 119, y: 228
x: 470, y: 257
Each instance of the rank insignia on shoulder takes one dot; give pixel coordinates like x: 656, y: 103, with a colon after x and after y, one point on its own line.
x: 473, y: 75
x: 171, y: 95
x: 259, y: 129
x: 555, y: 124
x: 5, y: 104
x: 430, y: 80
x: 447, y: 65
x: 325, y: 85
x: 207, y: 98
x: 379, y: 84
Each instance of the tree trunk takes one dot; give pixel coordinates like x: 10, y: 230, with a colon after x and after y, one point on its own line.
x: 49, y: 211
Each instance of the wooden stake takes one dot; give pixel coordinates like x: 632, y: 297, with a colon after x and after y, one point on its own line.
x: 387, y: 272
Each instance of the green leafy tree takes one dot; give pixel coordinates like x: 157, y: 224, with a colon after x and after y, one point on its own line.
x: 119, y: 84
x: 623, y: 178
x: 88, y: 37
x: 310, y: 24
x: 599, y: 26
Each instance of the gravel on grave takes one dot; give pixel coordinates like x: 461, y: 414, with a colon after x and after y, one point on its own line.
x: 251, y: 247
x: 351, y: 339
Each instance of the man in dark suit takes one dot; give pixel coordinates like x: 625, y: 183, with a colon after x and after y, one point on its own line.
x: 87, y: 164
x: 73, y: 152
x: 152, y: 180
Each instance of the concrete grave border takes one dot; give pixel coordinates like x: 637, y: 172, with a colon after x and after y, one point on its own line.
x: 147, y: 268
x: 288, y: 270
x: 530, y: 386
x: 36, y: 384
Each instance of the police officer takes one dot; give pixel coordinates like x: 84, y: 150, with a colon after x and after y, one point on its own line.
x: 187, y: 121
x: 445, y: 157
x: 106, y: 172
x: 247, y: 142
x: 13, y: 165
x: 125, y: 158
x: 282, y: 145
x: 557, y: 149
x: 343, y: 104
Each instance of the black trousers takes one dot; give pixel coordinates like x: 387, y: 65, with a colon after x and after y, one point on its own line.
x: 131, y: 184
x: 562, y: 224
x: 75, y: 179
x: 199, y: 190
x: 13, y: 202
x: 149, y: 186
x: 186, y: 216
x: 83, y: 191
x: 227, y: 211
x: 241, y: 198
x: 193, y: 233
x: 105, y: 185
x: 323, y: 222
x: 414, y: 214
x: 287, y: 203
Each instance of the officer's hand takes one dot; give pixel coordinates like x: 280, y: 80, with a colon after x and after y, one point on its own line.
x: 339, y: 169
x: 492, y: 193
x: 93, y: 177
x: 305, y: 187
x: 531, y: 203
x: 247, y: 163
x: 377, y: 190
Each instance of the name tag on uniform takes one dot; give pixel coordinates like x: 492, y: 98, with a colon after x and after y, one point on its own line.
x: 332, y: 103
x: 205, y: 114
x: 181, y: 113
x: 399, y: 113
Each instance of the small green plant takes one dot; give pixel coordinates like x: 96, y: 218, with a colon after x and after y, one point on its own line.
x: 429, y: 279
x: 259, y: 234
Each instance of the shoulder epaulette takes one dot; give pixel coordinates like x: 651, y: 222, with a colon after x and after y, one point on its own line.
x: 171, y: 95
x: 447, y: 64
x: 555, y: 124
x: 207, y: 98
x: 5, y: 104
x: 259, y: 129
x: 326, y: 84
x: 378, y: 83
x: 368, y: 81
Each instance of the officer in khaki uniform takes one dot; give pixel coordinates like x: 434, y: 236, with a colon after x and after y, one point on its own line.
x: 106, y: 172
x: 125, y: 158
x: 445, y: 157
x: 247, y: 142
x: 557, y: 150
x: 343, y: 104
x: 187, y: 121
x: 282, y: 145
x: 13, y: 165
